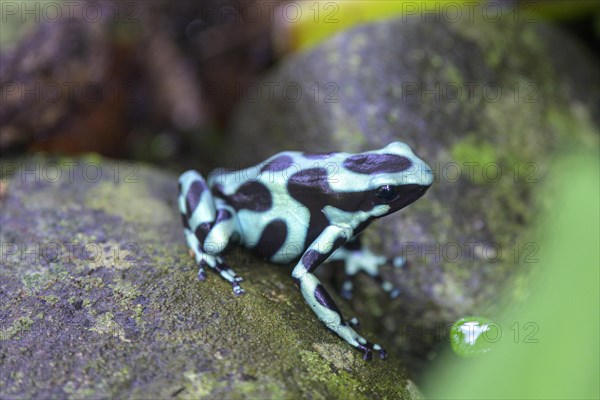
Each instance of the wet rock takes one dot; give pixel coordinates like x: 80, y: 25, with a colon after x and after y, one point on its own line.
x: 99, y: 298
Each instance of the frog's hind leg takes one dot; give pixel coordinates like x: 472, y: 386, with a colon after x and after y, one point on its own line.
x: 209, y: 227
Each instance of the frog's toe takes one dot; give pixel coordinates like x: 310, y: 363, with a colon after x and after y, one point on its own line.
x: 201, y: 270
x: 353, y: 322
x: 226, y: 272
x: 390, y: 289
x: 398, y: 262
x: 237, y: 289
x: 347, y: 289
x: 387, y: 287
x: 367, y: 348
x: 367, y: 354
x: 201, y: 274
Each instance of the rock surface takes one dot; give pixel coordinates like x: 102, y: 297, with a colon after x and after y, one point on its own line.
x: 99, y: 299
x: 486, y: 103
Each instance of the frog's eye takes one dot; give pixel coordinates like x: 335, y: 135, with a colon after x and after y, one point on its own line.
x: 387, y: 193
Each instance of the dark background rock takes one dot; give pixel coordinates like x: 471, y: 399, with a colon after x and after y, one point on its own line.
x: 474, y: 99
x: 141, y: 79
x: 100, y: 300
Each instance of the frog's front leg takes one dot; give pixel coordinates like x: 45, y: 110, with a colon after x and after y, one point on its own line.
x: 317, y: 297
x: 359, y: 258
x: 209, y: 226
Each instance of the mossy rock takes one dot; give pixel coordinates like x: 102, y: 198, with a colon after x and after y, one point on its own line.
x: 99, y: 299
x: 487, y: 104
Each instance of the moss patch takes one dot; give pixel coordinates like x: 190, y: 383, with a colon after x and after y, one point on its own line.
x: 20, y: 325
x: 131, y: 202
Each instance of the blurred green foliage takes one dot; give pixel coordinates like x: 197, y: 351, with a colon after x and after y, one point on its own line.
x: 550, y: 344
x: 317, y: 21
x: 563, y: 10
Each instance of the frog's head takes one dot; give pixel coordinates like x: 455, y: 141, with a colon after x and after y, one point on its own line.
x: 394, y: 178
x: 353, y: 189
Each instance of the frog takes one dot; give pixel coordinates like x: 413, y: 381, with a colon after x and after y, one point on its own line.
x: 303, y: 209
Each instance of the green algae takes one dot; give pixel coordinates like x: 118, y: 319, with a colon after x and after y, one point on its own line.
x: 125, y: 292
x: 132, y: 202
x: 574, y: 122
x: 106, y: 325
x: 20, y: 325
x: 475, y: 156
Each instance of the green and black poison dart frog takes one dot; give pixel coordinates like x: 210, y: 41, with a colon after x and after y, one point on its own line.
x: 303, y: 208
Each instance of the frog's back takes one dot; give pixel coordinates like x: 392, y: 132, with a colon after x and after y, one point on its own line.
x: 276, y: 224
x: 275, y: 172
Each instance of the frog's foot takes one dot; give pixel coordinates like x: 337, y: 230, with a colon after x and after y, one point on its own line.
x: 370, y: 263
x: 218, y: 265
x: 237, y: 289
x: 346, y: 331
x: 369, y: 347
x: 228, y: 274
x: 353, y: 322
x: 387, y: 287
